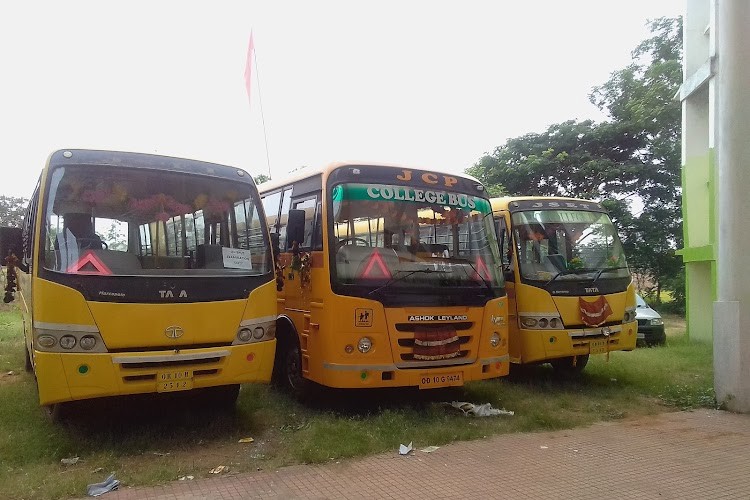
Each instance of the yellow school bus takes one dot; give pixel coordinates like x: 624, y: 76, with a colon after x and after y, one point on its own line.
x: 387, y: 277
x: 140, y: 273
x: 569, y: 287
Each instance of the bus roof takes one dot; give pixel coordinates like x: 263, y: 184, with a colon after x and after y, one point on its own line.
x: 515, y: 203
x: 307, y: 172
x: 95, y: 157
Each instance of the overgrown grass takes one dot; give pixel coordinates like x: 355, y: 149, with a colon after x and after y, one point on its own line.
x: 148, y: 440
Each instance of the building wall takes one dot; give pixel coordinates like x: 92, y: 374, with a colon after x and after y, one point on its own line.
x: 699, y: 167
x: 715, y: 99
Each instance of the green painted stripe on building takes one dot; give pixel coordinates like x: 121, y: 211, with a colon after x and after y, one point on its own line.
x: 697, y: 254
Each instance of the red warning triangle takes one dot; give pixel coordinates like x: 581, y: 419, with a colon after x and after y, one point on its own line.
x: 90, y: 264
x: 482, y: 271
x: 376, y: 259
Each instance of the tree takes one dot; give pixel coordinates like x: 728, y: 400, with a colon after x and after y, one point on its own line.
x: 630, y: 161
x: 261, y: 178
x: 12, y: 210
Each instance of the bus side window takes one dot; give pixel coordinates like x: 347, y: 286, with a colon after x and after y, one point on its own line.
x: 286, y: 203
x: 504, y: 239
x: 308, y: 206
x: 271, y: 205
x: 318, y: 229
x: 27, y: 234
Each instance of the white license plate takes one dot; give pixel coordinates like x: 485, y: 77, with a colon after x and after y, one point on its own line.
x: 171, y: 381
x: 428, y: 381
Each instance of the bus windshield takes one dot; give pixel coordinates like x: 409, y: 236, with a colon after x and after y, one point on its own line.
x: 399, y: 236
x: 107, y: 220
x: 568, y: 245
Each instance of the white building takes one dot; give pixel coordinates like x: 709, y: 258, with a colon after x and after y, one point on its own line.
x: 715, y: 99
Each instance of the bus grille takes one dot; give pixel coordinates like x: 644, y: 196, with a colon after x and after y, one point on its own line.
x: 434, y: 344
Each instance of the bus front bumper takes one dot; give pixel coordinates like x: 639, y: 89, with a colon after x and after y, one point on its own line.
x: 538, y: 346
x: 74, y: 376
x: 345, y: 376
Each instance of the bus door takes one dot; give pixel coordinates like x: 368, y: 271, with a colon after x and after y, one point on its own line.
x: 509, y: 260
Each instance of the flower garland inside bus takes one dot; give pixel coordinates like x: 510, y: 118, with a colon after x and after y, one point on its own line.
x: 395, y: 238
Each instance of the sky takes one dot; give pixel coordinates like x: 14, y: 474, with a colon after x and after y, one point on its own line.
x: 428, y: 84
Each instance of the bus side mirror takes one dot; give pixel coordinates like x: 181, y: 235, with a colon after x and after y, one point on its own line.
x: 295, y: 227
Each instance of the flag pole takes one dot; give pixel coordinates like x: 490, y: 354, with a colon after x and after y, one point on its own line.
x: 262, y: 118
x: 252, y: 57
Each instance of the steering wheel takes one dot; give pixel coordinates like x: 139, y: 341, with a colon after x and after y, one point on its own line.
x: 347, y: 241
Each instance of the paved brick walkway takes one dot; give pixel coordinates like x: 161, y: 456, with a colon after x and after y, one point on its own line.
x: 700, y: 454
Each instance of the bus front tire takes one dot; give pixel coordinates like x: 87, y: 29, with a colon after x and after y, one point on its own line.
x: 570, y: 365
x: 288, y: 372
x: 58, y: 412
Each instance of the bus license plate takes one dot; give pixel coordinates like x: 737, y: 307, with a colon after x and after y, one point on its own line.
x: 428, y: 381
x: 598, y: 346
x: 179, y: 380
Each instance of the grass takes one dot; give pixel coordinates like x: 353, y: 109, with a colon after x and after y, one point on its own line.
x: 148, y: 440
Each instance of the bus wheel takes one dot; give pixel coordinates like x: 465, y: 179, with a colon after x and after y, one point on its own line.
x: 291, y: 376
x: 571, y: 364
x: 58, y: 412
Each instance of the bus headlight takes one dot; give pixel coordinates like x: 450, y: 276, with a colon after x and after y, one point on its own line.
x: 364, y: 345
x: 259, y: 332
x: 255, y: 330
x: 528, y: 322
x: 46, y: 341
x: 68, y: 342
x: 87, y: 342
x: 629, y: 315
x: 52, y: 338
x: 546, y: 322
x: 495, y: 339
x: 244, y: 334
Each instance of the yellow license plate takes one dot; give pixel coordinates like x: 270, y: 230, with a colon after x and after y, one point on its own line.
x: 598, y: 346
x: 178, y: 380
x: 428, y: 381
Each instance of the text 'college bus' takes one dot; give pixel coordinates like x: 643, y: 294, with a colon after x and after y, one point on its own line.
x: 569, y: 287
x: 391, y: 277
x: 141, y: 273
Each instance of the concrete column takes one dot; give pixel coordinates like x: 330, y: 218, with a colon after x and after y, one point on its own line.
x: 732, y: 308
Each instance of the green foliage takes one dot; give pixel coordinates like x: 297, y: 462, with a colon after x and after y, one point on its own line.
x: 12, y: 210
x: 153, y: 439
x: 630, y: 161
x: 261, y: 178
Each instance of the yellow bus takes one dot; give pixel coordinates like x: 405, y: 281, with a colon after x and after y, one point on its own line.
x: 570, y: 290
x: 140, y: 273
x: 388, y: 277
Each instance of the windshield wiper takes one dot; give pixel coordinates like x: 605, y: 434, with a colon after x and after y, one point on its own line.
x: 486, y: 283
x: 394, y: 279
x: 599, y: 273
x: 569, y: 271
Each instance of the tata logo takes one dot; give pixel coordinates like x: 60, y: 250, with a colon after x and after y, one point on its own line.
x: 174, y: 332
x: 592, y: 289
x: 168, y: 294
